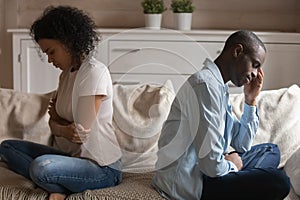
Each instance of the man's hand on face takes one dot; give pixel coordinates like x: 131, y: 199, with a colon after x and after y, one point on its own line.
x: 252, y: 89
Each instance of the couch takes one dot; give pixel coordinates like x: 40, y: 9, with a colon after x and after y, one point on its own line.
x: 139, y: 112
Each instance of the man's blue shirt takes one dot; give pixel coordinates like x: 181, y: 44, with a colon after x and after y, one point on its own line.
x: 198, y: 132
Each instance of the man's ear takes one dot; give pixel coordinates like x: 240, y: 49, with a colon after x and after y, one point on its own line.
x: 238, y: 50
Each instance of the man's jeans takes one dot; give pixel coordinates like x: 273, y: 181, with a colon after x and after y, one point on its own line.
x: 259, y: 178
x: 56, y: 171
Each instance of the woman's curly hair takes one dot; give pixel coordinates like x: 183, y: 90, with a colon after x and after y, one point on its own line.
x: 70, y: 26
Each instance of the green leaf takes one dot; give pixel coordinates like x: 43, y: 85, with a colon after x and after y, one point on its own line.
x: 182, y: 6
x: 153, y: 6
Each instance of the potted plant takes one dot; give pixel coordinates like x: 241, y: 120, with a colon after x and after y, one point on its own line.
x: 153, y: 10
x: 182, y: 10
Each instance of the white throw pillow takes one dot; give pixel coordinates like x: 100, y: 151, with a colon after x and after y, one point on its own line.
x: 139, y: 113
x: 292, y: 169
x: 279, y: 112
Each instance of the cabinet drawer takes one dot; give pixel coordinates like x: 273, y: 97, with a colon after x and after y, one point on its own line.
x: 128, y: 79
x: 160, y: 57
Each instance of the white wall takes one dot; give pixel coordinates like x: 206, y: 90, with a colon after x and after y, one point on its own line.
x: 257, y: 15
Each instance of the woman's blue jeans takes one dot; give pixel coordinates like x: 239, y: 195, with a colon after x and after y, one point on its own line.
x: 259, y: 178
x: 56, y: 171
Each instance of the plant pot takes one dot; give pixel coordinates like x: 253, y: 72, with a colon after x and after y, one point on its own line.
x: 183, y: 21
x: 153, y: 21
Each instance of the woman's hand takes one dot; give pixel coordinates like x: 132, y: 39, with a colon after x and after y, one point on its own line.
x: 74, y: 133
x: 80, y: 134
x: 52, y: 111
x: 53, y: 114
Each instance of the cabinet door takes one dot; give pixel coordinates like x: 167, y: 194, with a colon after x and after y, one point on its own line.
x: 37, y: 75
x: 160, y: 57
x: 281, y: 66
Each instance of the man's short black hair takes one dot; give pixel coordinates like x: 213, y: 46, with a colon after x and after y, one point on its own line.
x: 248, y: 39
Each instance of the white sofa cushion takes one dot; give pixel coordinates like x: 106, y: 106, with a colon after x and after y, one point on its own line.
x: 292, y: 169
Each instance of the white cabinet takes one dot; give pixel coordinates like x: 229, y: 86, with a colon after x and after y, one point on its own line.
x: 156, y: 61
x: 154, y: 56
x: 31, y: 70
x: 282, y: 65
x: 144, y: 56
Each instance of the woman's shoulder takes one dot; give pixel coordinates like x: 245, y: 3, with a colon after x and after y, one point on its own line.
x: 91, y: 70
x: 92, y: 65
x: 93, y: 62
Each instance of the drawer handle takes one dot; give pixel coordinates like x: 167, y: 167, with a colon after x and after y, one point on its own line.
x: 126, y: 82
x: 129, y: 50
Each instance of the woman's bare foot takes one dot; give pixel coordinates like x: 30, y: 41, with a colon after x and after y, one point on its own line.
x: 57, y: 196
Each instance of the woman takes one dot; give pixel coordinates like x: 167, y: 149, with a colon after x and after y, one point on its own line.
x: 86, y: 154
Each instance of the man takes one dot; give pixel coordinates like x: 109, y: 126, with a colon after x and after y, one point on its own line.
x: 193, y: 159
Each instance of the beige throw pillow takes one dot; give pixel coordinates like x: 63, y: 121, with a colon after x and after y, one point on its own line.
x: 139, y: 113
x: 24, y: 116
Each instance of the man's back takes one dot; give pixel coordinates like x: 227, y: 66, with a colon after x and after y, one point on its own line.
x: 177, y: 164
